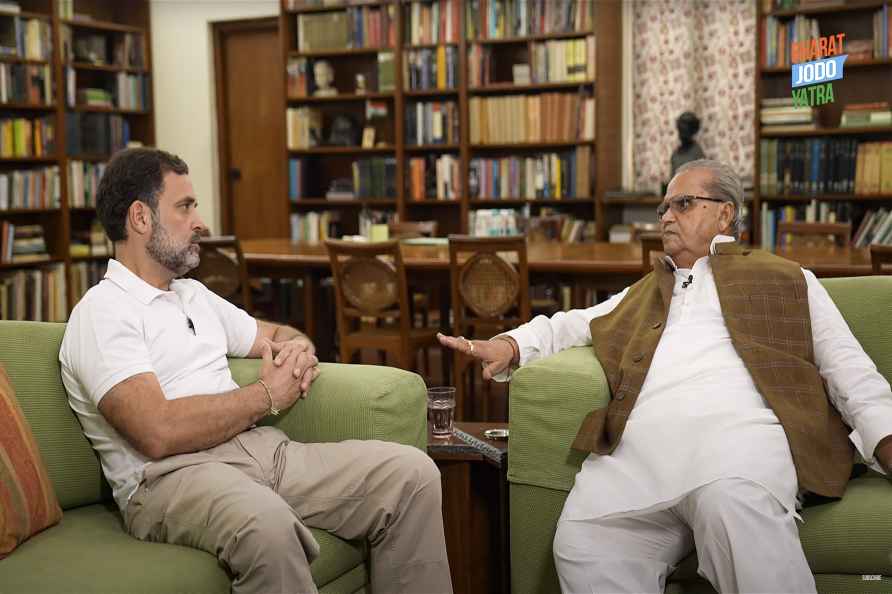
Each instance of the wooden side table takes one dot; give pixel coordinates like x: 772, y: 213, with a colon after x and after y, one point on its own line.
x: 475, y: 509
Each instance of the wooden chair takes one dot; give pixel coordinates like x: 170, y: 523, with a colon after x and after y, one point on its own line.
x: 370, y: 282
x: 650, y: 242
x: 813, y: 234
x: 490, y: 294
x: 880, y: 255
x: 223, y: 270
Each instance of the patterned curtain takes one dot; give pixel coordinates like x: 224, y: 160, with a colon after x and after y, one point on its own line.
x: 699, y: 56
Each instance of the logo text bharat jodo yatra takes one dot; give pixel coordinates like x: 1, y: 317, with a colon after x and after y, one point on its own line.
x: 816, y: 63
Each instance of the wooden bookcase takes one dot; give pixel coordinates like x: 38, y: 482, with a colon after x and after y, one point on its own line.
x: 109, y: 22
x: 864, y: 81
x: 452, y: 214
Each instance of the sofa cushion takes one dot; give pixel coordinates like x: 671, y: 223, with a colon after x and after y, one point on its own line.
x: 90, y: 553
x: 28, y: 503
x: 30, y: 353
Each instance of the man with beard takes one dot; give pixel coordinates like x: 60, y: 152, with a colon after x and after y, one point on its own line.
x: 144, y: 363
x: 734, y: 381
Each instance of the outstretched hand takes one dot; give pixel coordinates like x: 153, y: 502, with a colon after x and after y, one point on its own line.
x: 496, y: 355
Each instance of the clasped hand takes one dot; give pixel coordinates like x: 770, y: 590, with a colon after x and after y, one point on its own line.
x: 290, y: 367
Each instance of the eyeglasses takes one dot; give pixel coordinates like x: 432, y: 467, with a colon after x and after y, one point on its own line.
x: 680, y: 204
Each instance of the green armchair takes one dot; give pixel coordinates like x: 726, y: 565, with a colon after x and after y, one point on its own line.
x: 88, y: 552
x: 844, y: 540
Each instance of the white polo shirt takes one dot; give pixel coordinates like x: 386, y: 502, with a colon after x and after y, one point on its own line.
x: 122, y: 327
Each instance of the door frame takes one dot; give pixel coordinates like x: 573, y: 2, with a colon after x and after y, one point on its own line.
x: 219, y: 31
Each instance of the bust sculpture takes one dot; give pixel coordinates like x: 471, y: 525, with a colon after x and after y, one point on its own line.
x: 343, y: 131
x: 687, y: 125
x: 323, y: 75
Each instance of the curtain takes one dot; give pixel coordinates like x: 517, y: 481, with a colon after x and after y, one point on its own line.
x: 699, y: 56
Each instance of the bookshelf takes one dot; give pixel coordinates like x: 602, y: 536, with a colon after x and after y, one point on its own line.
x: 817, y: 169
x: 438, y: 49
x: 47, y: 192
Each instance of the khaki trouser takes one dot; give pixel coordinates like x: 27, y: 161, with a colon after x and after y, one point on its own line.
x: 248, y: 501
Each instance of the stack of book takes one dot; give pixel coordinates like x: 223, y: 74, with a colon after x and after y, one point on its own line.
x: 430, y: 68
x: 83, y: 182
x: 38, y: 295
x: 780, y: 115
x: 434, y: 177
x: 549, y: 117
x: 375, y: 177
x: 357, y: 27
x: 549, y: 176
x: 84, y: 275
x: 875, y: 228
x: 857, y: 115
x: 563, y: 60
x: 132, y: 91
x: 498, y: 19
x: 30, y: 39
x: 430, y: 23
x: 94, y: 97
x: 95, y: 133
x: 315, y: 226
x: 433, y: 122
x: 494, y: 222
x: 882, y: 24
x: 31, y: 188
x: 21, y: 137
x: 22, y: 243
x: 778, y: 37
x: 304, y: 127
x: 23, y: 83
x: 551, y: 225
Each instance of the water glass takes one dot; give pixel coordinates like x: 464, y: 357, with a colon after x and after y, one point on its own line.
x: 441, y: 410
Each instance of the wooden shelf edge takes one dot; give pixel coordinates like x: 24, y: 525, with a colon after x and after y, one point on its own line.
x: 528, y: 38
x: 841, y: 7
x: 825, y: 197
x: 863, y: 130
x: 333, y: 8
x: 548, y: 86
x: 32, y: 264
x: 334, y: 53
x: 301, y: 202
x: 856, y: 64
x: 107, y: 67
x: 102, y: 25
x: 343, y: 97
x: 29, y: 106
x: 26, y: 211
x: 342, y: 150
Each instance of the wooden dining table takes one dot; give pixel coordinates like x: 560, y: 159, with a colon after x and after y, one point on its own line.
x: 599, y: 266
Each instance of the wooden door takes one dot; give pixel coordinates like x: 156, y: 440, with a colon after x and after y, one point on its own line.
x: 251, y: 128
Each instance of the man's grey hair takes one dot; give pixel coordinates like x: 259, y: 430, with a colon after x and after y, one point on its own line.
x: 725, y: 185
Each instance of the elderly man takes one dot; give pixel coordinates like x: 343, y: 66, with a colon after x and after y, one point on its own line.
x: 144, y: 364
x: 717, y: 363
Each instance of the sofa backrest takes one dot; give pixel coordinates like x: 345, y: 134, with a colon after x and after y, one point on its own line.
x: 30, y: 353
x: 866, y: 304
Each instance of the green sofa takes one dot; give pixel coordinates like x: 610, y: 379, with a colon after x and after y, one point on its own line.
x: 88, y: 552
x: 844, y: 540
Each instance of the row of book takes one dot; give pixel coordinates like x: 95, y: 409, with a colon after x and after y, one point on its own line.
x: 875, y: 227
x: 494, y: 222
x: 434, y: 178
x: 882, y: 29
x: 861, y: 115
x: 431, y: 68
x: 128, y: 49
x: 432, y: 122
x: 563, y: 60
x: 132, y: 91
x: 825, y: 165
x: 303, y: 127
x: 23, y: 137
x: 374, y: 178
x: 499, y: 19
x: 433, y: 22
x: 780, y: 113
x: 355, y: 27
x: 548, y: 117
x: 127, y: 91
x: 315, y: 226
x: 90, y: 242
x: 25, y: 83
x: 37, y: 294
x: 83, y: 275
x: 83, y: 183
x: 548, y: 176
x: 95, y: 133
x: 22, y: 243
x: 30, y: 188
x: 778, y: 38
x: 31, y: 39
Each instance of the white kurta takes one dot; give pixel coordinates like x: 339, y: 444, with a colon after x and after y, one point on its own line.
x: 699, y: 416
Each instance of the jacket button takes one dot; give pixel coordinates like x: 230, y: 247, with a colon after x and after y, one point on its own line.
x: 637, y: 358
x: 657, y: 325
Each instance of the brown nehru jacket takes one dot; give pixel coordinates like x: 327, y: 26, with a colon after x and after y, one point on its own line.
x: 764, y: 300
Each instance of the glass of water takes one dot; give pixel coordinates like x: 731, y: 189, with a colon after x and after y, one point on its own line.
x: 441, y: 410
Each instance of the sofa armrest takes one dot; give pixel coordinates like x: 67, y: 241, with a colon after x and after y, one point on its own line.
x: 548, y: 400
x: 352, y: 402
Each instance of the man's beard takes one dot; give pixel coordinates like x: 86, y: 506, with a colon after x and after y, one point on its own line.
x: 163, y: 250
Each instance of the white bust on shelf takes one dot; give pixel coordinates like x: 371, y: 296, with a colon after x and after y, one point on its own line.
x: 323, y: 74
